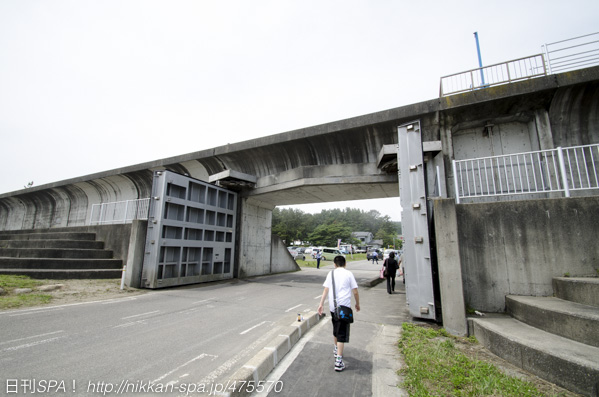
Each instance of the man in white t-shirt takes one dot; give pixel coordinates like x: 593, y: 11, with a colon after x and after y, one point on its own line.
x: 345, y: 285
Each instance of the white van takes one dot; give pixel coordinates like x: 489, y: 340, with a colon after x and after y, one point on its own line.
x: 331, y: 252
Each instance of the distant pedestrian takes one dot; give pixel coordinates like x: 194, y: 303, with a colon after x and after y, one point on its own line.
x: 375, y: 257
x: 345, y: 285
x: 318, y: 257
x: 391, y: 266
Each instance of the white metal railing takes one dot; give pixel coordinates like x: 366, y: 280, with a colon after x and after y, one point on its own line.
x: 119, y: 211
x: 545, y: 171
x: 500, y: 73
x: 576, y: 53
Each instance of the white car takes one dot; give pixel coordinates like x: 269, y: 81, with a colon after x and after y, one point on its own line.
x: 295, y: 254
x: 387, y: 252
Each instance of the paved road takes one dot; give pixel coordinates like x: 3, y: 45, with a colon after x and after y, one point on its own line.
x: 174, y: 337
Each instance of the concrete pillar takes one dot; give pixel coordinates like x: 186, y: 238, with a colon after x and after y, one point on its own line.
x: 544, y: 133
x: 255, y: 231
x: 135, y: 255
x: 450, y: 270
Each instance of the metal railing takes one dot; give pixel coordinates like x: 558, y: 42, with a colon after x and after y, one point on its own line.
x: 576, y: 53
x: 500, y: 73
x: 546, y: 171
x: 119, y: 211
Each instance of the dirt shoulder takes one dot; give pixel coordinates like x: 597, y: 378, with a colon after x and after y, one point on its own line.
x: 61, y: 292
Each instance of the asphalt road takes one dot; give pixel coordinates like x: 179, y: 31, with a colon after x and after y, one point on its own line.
x: 174, y: 338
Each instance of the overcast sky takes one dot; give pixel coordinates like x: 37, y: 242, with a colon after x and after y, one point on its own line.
x: 88, y: 86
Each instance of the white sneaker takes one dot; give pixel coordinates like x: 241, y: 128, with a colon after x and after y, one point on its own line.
x: 339, y: 365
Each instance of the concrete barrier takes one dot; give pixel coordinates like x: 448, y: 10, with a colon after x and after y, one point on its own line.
x: 259, y: 366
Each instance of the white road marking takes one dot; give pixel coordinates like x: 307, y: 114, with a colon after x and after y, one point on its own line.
x: 31, y: 337
x: 212, y: 376
x: 37, y: 312
x: 139, y: 315
x: 125, y: 325
x: 183, y: 365
x: 39, y: 342
x: 44, y: 309
x: 202, y: 301
x: 255, y: 326
x: 290, y: 309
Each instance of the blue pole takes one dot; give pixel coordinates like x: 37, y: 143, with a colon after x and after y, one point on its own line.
x: 480, y: 61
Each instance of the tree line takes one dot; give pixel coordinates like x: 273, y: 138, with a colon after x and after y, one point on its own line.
x: 324, y: 228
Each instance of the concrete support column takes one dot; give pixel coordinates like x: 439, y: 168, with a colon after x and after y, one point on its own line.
x: 544, y: 129
x: 255, y: 231
x: 450, y: 269
x: 135, y: 255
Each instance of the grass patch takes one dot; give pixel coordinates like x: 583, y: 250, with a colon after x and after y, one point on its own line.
x: 435, y: 367
x: 24, y: 300
x: 9, y: 282
x: 309, y: 262
x: 11, y: 301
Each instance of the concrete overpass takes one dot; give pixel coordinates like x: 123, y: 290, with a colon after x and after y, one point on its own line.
x: 348, y: 159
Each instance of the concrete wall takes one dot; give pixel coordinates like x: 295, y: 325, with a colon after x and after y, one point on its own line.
x: 115, y: 237
x: 281, y: 259
x: 260, y: 253
x: 517, y: 247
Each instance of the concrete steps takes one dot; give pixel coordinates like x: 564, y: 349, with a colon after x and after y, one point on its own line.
x: 556, y: 338
x: 56, y: 255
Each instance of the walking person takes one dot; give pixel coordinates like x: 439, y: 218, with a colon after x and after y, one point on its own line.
x: 391, y: 265
x: 345, y: 285
x: 318, y: 257
x: 375, y: 257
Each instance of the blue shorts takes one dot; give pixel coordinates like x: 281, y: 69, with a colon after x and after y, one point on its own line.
x: 340, y: 329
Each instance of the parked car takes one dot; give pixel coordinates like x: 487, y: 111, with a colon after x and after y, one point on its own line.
x: 331, y: 252
x: 387, y: 252
x: 295, y: 254
x: 314, y: 252
x: 369, y: 254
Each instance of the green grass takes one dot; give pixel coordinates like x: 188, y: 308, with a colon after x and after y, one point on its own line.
x: 435, y: 367
x: 11, y: 301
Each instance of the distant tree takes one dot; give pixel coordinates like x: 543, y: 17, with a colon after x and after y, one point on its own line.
x: 292, y: 225
x: 327, y: 235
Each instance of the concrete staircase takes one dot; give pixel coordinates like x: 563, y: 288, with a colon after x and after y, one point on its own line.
x: 56, y: 255
x: 555, y: 338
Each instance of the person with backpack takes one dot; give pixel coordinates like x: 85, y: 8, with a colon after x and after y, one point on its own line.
x: 345, y: 285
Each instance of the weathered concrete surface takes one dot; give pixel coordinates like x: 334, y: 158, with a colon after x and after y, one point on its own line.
x: 518, y: 247
x: 450, y: 271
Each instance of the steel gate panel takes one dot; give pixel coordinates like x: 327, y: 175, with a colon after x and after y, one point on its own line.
x: 414, y: 221
x: 191, y: 232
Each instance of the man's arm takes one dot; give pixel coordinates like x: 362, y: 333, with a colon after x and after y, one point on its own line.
x: 322, y: 298
x: 357, y: 299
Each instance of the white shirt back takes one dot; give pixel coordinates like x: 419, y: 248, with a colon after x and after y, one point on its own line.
x: 344, y: 283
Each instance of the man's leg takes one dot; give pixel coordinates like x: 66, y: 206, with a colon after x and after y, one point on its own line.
x: 340, y: 348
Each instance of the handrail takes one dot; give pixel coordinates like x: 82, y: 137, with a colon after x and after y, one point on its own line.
x: 545, y: 171
x: 560, y: 56
x: 492, y: 75
x: 575, y: 53
x: 119, y: 211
